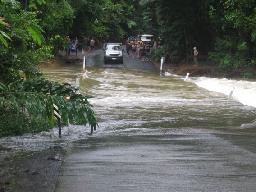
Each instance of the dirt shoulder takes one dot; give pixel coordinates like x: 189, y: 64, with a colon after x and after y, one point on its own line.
x: 31, y: 171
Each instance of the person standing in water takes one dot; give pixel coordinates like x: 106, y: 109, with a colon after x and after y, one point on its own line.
x: 92, y: 44
x: 195, y: 54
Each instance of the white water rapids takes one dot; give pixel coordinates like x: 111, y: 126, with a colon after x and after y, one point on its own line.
x: 239, y: 90
x: 243, y: 91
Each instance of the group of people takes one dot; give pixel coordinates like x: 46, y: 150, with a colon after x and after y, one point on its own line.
x: 73, y: 45
x: 138, y: 47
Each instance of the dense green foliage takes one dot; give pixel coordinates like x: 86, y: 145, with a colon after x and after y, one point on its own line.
x: 33, y: 31
x: 223, y: 29
x: 103, y: 19
x: 27, y: 106
x: 25, y: 48
x: 235, y: 40
x: 29, y: 34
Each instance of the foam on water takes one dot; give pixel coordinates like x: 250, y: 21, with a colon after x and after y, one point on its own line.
x: 44, y: 140
x: 240, y: 90
x: 145, y: 102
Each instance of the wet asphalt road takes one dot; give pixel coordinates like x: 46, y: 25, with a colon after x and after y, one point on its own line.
x: 138, y: 158
x: 130, y: 62
x: 188, y: 162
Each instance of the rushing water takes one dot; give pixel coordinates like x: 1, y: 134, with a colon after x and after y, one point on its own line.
x: 162, y: 133
x: 128, y: 101
x: 155, y: 133
x: 141, y: 102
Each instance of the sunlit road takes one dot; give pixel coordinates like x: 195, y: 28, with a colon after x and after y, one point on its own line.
x: 160, y: 134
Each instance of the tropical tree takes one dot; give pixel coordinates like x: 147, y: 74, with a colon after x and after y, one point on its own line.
x: 26, y: 48
x: 104, y: 19
x: 26, y: 100
x: 235, y: 22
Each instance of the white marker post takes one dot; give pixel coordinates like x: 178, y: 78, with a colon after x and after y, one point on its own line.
x: 84, y: 63
x: 187, y: 76
x: 231, y: 93
x: 161, y: 66
x: 57, y: 116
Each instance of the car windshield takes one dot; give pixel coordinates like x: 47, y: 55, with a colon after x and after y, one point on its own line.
x: 117, y: 48
x: 114, y: 47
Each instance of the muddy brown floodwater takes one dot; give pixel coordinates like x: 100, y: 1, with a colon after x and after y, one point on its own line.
x: 155, y: 133
x: 158, y: 134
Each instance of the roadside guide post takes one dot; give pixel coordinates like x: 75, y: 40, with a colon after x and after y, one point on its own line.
x: 161, y: 66
x: 58, y: 117
x: 84, y: 63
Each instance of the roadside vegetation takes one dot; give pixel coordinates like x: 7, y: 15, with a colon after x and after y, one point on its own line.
x: 32, y: 32
x: 26, y: 40
x: 224, y: 32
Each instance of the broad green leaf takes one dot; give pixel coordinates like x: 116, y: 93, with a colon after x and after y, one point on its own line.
x: 3, y: 41
x: 36, y: 34
x: 2, y: 87
x: 5, y: 35
x: 131, y: 24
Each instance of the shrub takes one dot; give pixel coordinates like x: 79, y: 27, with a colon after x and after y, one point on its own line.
x: 27, y: 106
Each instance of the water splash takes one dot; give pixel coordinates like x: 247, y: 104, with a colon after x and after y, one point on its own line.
x: 45, y: 139
x: 186, y: 78
x: 245, y: 91
x: 231, y: 93
x: 85, y: 75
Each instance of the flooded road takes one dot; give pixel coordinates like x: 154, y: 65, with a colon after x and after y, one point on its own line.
x: 156, y: 133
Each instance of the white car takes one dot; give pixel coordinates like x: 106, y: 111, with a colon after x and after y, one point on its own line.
x: 146, y: 38
x: 113, y: 53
